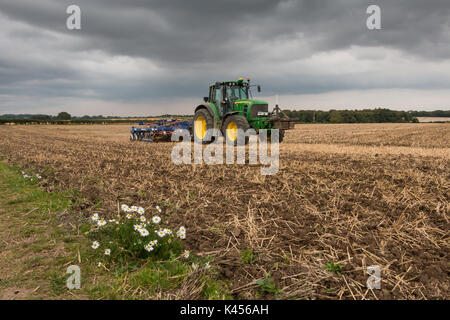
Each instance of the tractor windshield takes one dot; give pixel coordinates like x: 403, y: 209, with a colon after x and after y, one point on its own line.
x: 237, y: 92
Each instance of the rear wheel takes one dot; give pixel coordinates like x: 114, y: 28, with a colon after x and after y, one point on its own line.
x: 203, y: 121
x: 231, y: 126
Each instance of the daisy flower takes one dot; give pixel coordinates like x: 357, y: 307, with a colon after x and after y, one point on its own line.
x: 149, y: 247
x: 167, y: 231
x: 100, y: 264
x: 95, y: 245
x: 186, y: 253
x: 134, y: 208
x: 101, y: 222
x: 142, y: 218
x: 181, y: 233
x: 144, y: 232
x: 156, y: 219
x: 154, y: 242
x: 207, y: 265
x: 108, y: 252
x: 95, y: 217
x: 141, y: 211
x: 195, y: 266
x: 137, y: 227
x: 161, y: 233
x: 129, y: 216
x: 158, y: 208
x: 124, y: 207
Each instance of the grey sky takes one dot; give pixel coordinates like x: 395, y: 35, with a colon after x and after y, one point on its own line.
x: 147, y: 57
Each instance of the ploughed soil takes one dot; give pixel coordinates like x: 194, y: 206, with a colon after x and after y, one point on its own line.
x: 340, y: 196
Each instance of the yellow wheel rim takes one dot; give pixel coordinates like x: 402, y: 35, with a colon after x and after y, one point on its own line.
x: 200, y: 127
x: 232, y: 131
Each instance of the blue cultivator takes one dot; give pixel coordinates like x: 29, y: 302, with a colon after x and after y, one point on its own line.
x: 160, y: 130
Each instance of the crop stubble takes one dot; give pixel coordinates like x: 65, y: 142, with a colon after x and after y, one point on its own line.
x: 358, y: 195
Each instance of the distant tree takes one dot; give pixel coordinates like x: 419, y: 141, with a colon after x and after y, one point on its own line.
x: 40, y: 117
x: 63, y: 116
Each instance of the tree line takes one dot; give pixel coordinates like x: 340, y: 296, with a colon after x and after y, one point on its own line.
x: 350, y: 116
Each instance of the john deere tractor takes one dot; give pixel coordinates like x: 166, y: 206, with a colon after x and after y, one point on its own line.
x: 230, y: 106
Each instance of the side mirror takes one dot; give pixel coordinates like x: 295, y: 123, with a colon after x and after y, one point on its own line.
x: 259, y: 88
x: 205, y: 99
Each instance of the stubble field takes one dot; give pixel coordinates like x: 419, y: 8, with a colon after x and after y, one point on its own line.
x: 353, y: 195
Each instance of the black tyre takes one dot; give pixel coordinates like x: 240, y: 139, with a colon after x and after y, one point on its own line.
x: 202, y: 122
x: 231, y: 126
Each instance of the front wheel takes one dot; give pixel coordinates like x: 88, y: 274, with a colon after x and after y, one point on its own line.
x: 203, y: 121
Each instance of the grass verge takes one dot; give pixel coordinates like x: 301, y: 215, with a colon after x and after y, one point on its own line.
x: 40, y: 237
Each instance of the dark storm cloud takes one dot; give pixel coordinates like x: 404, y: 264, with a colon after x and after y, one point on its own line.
x: 191, y: 43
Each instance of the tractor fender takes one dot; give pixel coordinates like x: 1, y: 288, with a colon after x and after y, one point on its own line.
x: 229, y: 114
x: 211, y: 109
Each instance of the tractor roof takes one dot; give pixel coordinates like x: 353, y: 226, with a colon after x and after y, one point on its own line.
x: 230, y: 83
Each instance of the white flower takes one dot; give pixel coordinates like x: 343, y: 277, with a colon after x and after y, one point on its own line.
x: 95, y: 217
x: 167, y: 231
x: 181, y: 233
x: 129, y: 216
x: 101, y: 222
x: 195, y: 266
x: 108, y: 252
x: 207, y: 265
x: 141, y: 210
x: 154, y: 242
x: 142, y: 218
x: 100, y: 264
x: 95, y: 245
x: 156, y: 219
x: 134, y: 208
x: 124, y: 207
x: 137, y: 227
x: 112, y: 220
x: 149, y: 247
x: 186, y: 253
x: 158, y: 208
x: 144, y: 232
x: 161, y: 233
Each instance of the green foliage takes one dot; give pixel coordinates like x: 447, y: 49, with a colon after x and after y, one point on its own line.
x: 350, y: 116
x: 161, y: 275
x: 216, y: 289
x: 248, y: 256
x: 124, y: 241
x: 268, y: 285
x: 63, y: 116
x: 332, y: 267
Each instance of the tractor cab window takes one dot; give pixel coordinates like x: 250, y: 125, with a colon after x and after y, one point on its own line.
x: 237, y: 93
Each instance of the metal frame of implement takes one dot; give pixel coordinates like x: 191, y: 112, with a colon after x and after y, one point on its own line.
x: 160, y: 130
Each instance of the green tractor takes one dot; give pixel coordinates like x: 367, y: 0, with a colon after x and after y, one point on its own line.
x: 230, y: 107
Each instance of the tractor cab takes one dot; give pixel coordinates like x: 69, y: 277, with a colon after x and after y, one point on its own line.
x: 225, y: 94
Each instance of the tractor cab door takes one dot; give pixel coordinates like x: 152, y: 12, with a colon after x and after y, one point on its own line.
x: 230, y: 98
x: 218, y: 99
